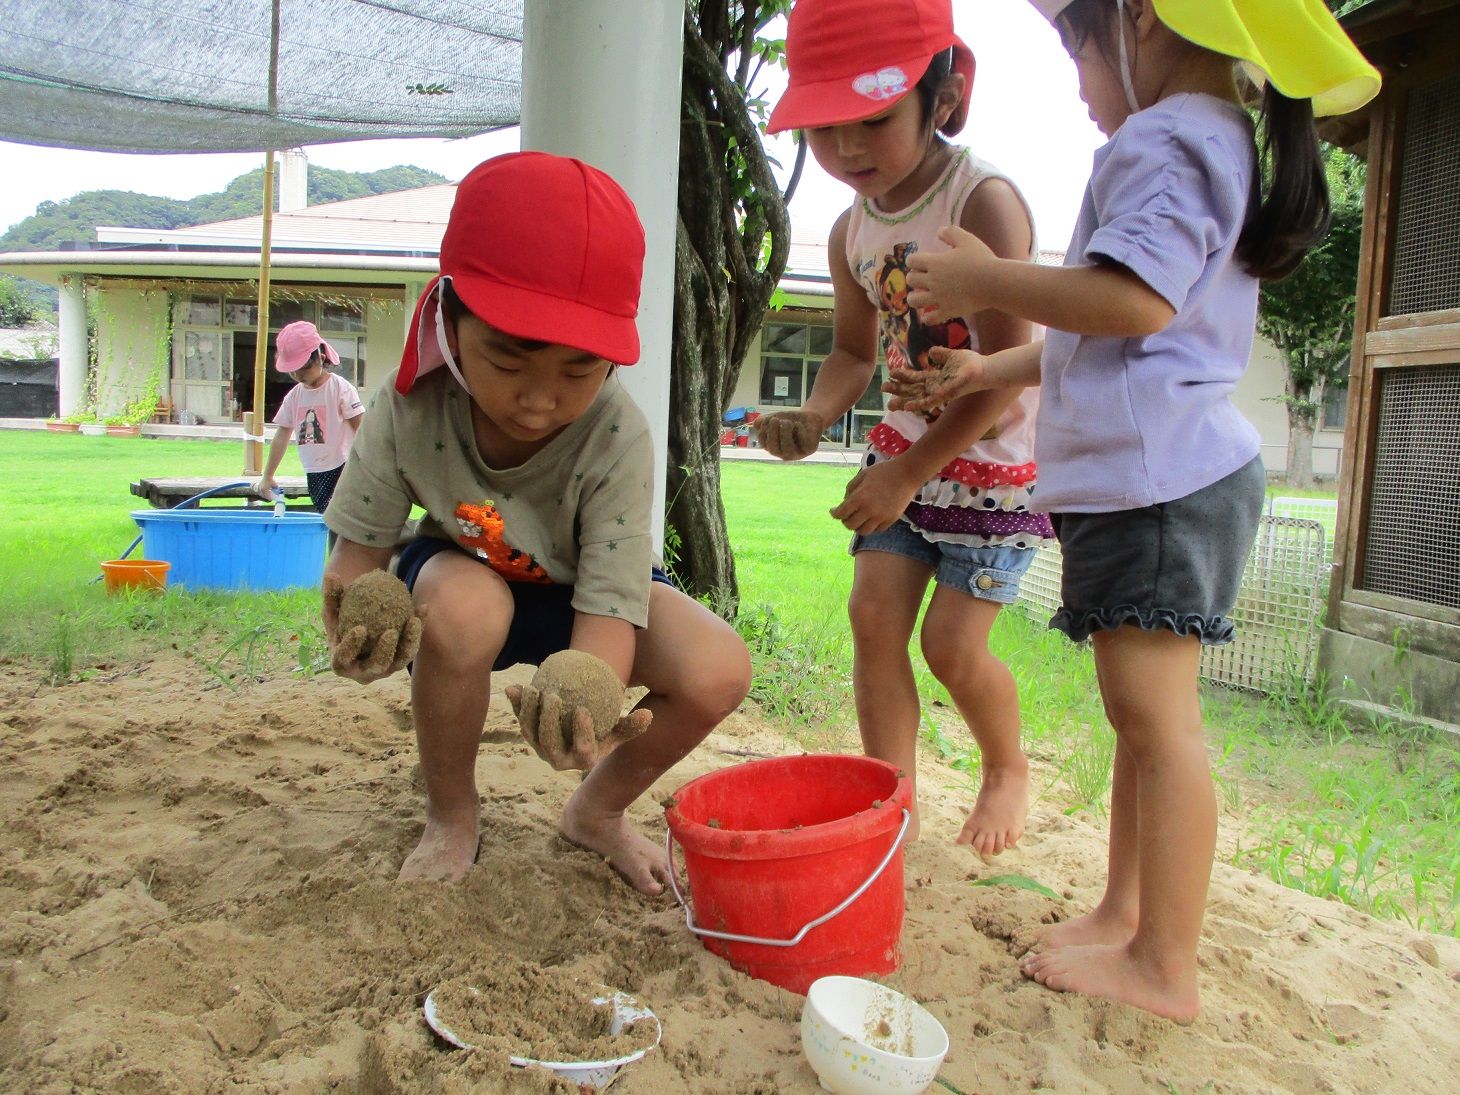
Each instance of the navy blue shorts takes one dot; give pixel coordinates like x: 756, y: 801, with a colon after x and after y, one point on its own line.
x: 542, y: 615
x: 322, y: 485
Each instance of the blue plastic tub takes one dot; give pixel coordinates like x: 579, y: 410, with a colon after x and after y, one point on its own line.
x: 235, y: 548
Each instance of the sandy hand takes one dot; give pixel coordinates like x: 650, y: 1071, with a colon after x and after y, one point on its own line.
x: 371, y: 625
x: 570, y: 713
x: 956, y: 373
x: 790, y: 435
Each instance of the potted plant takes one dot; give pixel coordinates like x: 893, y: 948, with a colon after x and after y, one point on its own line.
x: 89, y: 424
x: 117, y: 425
x: 62, y: 425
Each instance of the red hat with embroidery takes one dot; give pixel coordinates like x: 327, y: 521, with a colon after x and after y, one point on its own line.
x: 540, y: 247
x: 853, y: 59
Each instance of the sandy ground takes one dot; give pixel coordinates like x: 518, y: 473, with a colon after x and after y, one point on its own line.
x: 197, y: 895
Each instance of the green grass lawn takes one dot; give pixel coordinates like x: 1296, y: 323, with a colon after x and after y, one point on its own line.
x: 1365, y: 817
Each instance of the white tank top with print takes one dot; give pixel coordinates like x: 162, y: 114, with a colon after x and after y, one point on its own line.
x: 982, y: 497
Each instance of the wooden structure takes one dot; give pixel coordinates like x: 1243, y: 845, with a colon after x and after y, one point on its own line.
x: 1393, y: 624
x: 167, y: 493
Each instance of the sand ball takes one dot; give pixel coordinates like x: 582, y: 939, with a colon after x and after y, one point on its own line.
x: 583, y: 679
x: 380, y: 602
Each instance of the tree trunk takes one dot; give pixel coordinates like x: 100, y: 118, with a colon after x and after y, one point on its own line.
x: 1302, y: 417
x: 732, y: 240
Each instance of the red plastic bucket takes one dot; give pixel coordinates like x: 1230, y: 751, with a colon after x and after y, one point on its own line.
x: 795, y: 865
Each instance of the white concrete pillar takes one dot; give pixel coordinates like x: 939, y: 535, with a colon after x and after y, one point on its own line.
x: 73, y: 355
x: 601, y: 82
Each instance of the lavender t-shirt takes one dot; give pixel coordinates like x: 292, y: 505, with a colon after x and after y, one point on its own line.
x: 1130, y: 422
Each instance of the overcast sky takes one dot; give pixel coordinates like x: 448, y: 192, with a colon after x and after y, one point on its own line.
x: 1026, y: 117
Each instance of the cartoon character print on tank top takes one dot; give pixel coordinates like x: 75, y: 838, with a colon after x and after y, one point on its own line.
x: 482, y: 529
x: 982, y: 496
x: 905, y: 336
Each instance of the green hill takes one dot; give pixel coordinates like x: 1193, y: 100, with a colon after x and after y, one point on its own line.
x: 74, y: 220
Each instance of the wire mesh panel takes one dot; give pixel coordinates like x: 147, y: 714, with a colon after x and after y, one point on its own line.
x: 1277, y: 609
x: 1322, y: 510
x: 1276, y: 612
x: 1412, y: 549
x: 1039, y: 589
x: 1427, y: 233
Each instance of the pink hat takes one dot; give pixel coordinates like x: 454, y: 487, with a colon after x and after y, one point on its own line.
x: 297, y: 343
x: 541, y: 247
x: 852, y: 59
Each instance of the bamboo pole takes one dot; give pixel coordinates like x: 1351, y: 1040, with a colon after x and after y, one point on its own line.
x: 253, y: 451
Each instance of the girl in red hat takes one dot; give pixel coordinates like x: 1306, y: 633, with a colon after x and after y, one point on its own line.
x: 939, y: 497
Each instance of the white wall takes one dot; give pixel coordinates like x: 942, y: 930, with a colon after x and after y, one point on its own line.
x: 1259, y: 397
x: 131, y: 343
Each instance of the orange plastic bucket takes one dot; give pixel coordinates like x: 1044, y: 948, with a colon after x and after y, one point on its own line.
x: 795, y: 865
x: 137, y: 574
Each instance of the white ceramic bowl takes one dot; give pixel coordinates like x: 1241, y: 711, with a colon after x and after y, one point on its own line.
x: 863, y: 1038
x: 626, y: 1010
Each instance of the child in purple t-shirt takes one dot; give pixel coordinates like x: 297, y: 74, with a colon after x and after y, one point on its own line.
x: 1152, y: 476
x: 321, y: 413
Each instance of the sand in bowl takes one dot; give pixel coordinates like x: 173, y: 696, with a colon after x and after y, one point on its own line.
x: 536, y: 1014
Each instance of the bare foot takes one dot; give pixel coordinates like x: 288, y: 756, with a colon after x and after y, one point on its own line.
x: 1095, y: 928
x: 628, y: 851
x: 1115, y: 973
x: 998, y: 817
x: 447, y: 850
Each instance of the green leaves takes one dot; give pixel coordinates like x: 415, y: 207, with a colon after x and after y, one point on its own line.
x: 1018, y: 882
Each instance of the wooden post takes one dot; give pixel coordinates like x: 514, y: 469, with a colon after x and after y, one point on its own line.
x: 252, y: 451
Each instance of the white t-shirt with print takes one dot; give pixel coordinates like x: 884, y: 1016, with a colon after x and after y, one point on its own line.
x: 317, y: 417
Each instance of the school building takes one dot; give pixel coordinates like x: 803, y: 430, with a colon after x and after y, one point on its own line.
x: 177, y: 310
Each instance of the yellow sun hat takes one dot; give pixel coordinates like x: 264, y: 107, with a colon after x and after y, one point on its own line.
x: 1297, y: 44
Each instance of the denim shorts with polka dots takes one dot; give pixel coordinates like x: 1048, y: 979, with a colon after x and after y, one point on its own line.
x: 988, y: 573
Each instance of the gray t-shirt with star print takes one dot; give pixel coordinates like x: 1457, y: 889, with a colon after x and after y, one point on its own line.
x: 577, y: 513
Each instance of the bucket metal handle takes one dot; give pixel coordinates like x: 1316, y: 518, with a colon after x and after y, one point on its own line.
x: 689, y: 920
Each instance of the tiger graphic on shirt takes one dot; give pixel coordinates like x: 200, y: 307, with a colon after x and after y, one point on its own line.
x: 482, y: 530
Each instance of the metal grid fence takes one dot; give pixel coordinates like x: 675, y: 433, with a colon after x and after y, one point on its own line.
x: 1276, y: 613
x: 1322, y: 510
x: 1427, y: 237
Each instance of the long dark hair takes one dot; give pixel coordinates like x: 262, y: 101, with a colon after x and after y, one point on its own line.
x: 1284, y: 223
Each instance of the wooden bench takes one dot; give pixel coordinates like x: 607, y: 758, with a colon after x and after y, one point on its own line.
x: 167, y: 493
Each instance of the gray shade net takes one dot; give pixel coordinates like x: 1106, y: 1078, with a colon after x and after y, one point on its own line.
x: 194, y: 75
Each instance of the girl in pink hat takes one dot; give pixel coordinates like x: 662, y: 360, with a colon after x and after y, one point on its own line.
x: 321, y: 413
x: 940, y: 497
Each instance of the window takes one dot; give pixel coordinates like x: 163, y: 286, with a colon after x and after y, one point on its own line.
x: 240, y: 313
x: 791, y: 356
x: 1335, y: 407
x: 201, y: 359
x: 284, y: 312
x: 341, y: 317
x: 352, y: 357
x: 196, y: 311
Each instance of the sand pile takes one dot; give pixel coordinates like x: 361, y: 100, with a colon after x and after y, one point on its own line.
x: 197, y: 893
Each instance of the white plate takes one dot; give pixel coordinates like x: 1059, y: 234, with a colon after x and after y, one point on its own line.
x: 626, y: 1010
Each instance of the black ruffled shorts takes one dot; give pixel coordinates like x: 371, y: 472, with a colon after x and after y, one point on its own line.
x: 1176, y: 565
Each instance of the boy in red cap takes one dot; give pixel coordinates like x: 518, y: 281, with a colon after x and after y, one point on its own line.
x: 535, y: 469
x: 874, y: 84
x: 321, y: 412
